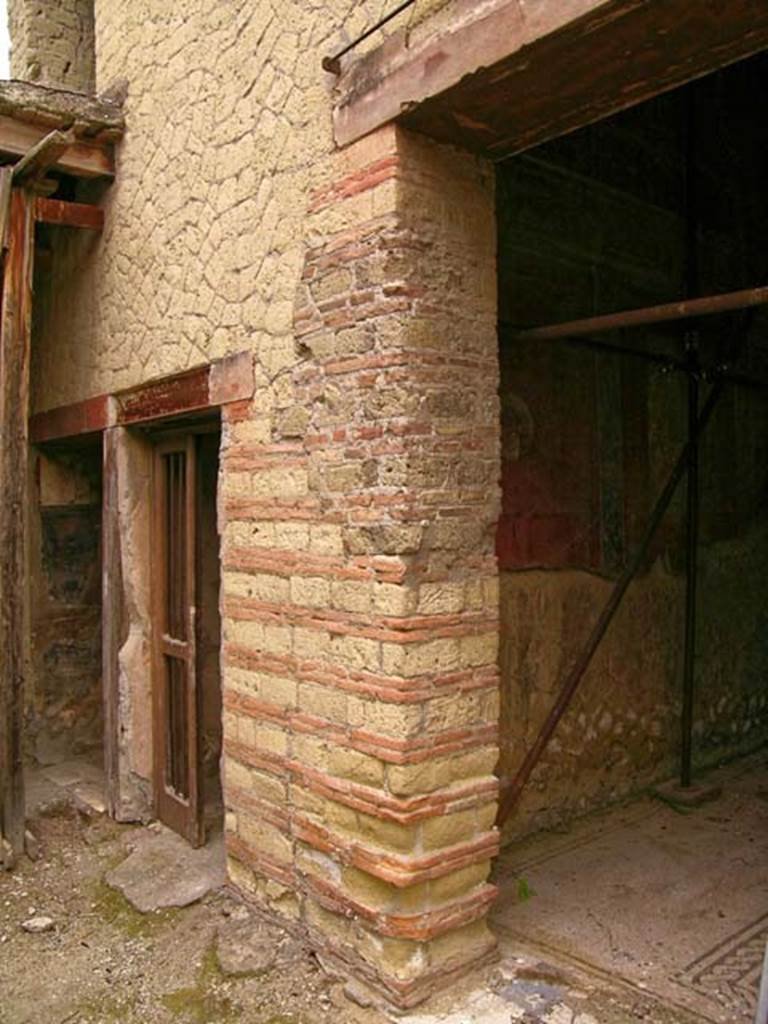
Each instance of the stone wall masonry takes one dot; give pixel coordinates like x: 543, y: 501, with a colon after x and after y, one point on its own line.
x: 228, y: 117
x: 358, y: 501
x: 358, y: 489
x: 53, y: 42
x: 609, y: 747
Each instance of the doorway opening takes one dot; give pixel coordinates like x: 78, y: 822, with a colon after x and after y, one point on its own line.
x: 186, y: 691
x: 65, y: 706
x: 656, y: 205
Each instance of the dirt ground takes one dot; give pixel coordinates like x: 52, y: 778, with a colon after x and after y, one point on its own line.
x: 103, y: 961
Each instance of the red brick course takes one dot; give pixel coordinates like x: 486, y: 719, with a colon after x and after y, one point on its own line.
x: 384, y: 433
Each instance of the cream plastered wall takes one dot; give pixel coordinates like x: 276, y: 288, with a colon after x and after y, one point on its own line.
x: 228, y: 128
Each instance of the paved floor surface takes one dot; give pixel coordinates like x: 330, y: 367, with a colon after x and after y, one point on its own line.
x: 642, y: 913
x: 668, y: 902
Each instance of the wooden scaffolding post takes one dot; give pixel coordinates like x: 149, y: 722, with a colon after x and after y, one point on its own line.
x: 15, y: 331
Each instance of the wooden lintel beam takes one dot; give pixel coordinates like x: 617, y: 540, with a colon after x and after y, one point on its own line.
x: 42, y: 156
x: 15, y: 332
x: 506, y: 76
x: 70, y: 215
x: 185, y: 392
x: 81, y: 159
x: 212, y: 386
x: 90, y: 416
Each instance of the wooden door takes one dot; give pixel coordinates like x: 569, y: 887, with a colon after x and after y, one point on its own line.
x: 176, y: 704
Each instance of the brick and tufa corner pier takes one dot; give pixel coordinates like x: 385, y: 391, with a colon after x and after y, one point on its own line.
x: 360, y: 601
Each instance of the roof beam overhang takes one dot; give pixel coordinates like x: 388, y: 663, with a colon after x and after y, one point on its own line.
x: 79, y: 158
x: 507, y: 75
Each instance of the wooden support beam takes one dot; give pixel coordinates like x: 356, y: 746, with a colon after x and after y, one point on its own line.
x: 100, y: 118
x: 111, y: 610
x: 6, y: 181
x: 70, y: 215
x: 42, y: 156
x: 15, y: 331
x: 206, y: 387
x: 87, y: 417
x: 506, y: 76
x: 81, y: 159
x: 171, y: 396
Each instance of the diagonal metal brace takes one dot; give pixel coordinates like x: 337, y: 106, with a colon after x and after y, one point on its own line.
x: 511, y: 795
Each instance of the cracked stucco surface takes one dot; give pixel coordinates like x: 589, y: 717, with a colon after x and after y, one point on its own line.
x: 228, y: 127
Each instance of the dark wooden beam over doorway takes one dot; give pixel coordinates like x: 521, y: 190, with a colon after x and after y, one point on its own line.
x: 503, y: 79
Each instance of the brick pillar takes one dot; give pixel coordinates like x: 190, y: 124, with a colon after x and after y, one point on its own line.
x: 360, y: 497
x: 52, y: 43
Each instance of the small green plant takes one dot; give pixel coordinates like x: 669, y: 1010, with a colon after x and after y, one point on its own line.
x: 524, y: 890
x: 114, y: 908
x: 106, y: 1009
x: 198, y: 1003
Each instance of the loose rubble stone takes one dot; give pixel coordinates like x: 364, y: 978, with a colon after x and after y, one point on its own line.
x: 246, y: 947
x: 31, y: 845
x: 7, y: 857
x: 35, y: 925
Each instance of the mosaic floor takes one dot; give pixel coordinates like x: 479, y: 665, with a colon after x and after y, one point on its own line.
x: 669, y: 903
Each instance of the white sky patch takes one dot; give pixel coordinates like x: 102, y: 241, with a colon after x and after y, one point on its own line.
x: 4, y: 41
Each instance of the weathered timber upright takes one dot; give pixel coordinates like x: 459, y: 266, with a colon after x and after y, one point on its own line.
x: 14, y: 405
x: 112, y: 622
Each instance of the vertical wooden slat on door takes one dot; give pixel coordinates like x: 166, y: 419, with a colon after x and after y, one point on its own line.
x: 176, y: 761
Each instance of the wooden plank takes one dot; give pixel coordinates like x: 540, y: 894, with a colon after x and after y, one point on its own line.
x: 112, y: 617
x: 523, y: 74
x: 602, y: 67
x: 171, y: 396
x: 6, y: 179
x: 87, y: 417
x: 194, y: 830
x: 82, y: 159
x: 70, y: 215
x: 401, y: 74
x: 225, y: 380
x: 14, y: 404
x: 42, y: 156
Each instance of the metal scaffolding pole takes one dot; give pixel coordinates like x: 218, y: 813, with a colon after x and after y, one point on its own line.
x: 576, y: 674
x: 687, y: 309
x: 691, y: 566
x: 692, y: 367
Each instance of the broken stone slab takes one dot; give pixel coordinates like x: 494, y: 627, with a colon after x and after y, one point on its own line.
x: 246, y: 947
x: 37, y: 925
x: 163, y: 871
x: 533, y: 996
